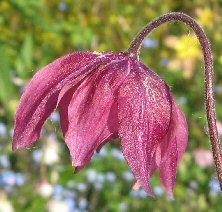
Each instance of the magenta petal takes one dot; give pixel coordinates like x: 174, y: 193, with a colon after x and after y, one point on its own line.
x: 168, y: 167
x: 144, y: 116
x: 173, y: 147
x: 89, y: 113
x: 41, y: 95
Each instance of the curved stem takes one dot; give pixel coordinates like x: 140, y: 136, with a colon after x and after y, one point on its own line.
x: 134, y: 50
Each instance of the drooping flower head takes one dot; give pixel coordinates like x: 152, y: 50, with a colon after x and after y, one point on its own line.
x: 102, y: 96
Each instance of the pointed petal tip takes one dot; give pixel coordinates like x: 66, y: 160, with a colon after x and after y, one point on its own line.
x: 147, y: 188
x: 19, y: 142
x: 17, y: 146
x: 136, y: 186
x: 151, y: 194
x: 98, y: 149
x: 170, y: 195
x: 78, y: 168
x: 170, y: 192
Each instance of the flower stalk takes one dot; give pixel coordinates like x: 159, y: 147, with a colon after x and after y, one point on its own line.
x: 134, y: 51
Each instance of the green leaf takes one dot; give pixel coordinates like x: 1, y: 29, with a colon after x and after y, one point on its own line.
x: 27, y: 51
x: 25, y: 60
x: 7, y: 89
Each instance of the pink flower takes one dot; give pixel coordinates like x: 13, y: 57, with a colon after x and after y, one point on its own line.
x: 102, y: 96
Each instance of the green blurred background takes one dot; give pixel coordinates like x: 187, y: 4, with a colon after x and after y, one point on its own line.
x: 34, y: 33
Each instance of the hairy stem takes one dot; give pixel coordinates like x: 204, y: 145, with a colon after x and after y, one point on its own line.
x: 134, y: 51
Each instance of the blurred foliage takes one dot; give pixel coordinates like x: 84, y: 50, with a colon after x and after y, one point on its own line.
x: 34, y: 33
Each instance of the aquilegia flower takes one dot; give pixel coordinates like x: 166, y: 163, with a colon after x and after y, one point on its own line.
x: 102, y: 96
x: 108, y: 95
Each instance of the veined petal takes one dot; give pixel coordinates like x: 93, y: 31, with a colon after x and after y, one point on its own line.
x: 144, y: 116
x: 180, y: 129
x: 173, y: 147
x: 89, y: 113
x: 40, y: 97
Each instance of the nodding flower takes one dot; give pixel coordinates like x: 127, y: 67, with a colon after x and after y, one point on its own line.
x: 109, y: 95
x: 102, y: 96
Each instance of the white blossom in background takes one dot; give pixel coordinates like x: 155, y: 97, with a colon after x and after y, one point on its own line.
x: 51, y: 150
x: 81, y: 187
x: 111, y: 176
x: 57, y: 206
x: 44, y: 188
x: 91, y: 175
x: 5, y: 204
x: 37, y: 155
x: 83, y: 203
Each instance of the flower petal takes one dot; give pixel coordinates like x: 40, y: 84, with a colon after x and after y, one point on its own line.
x: 89, y: 113
x: 40, y: 97
x: 173, y: 147
x: 144, y: 116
